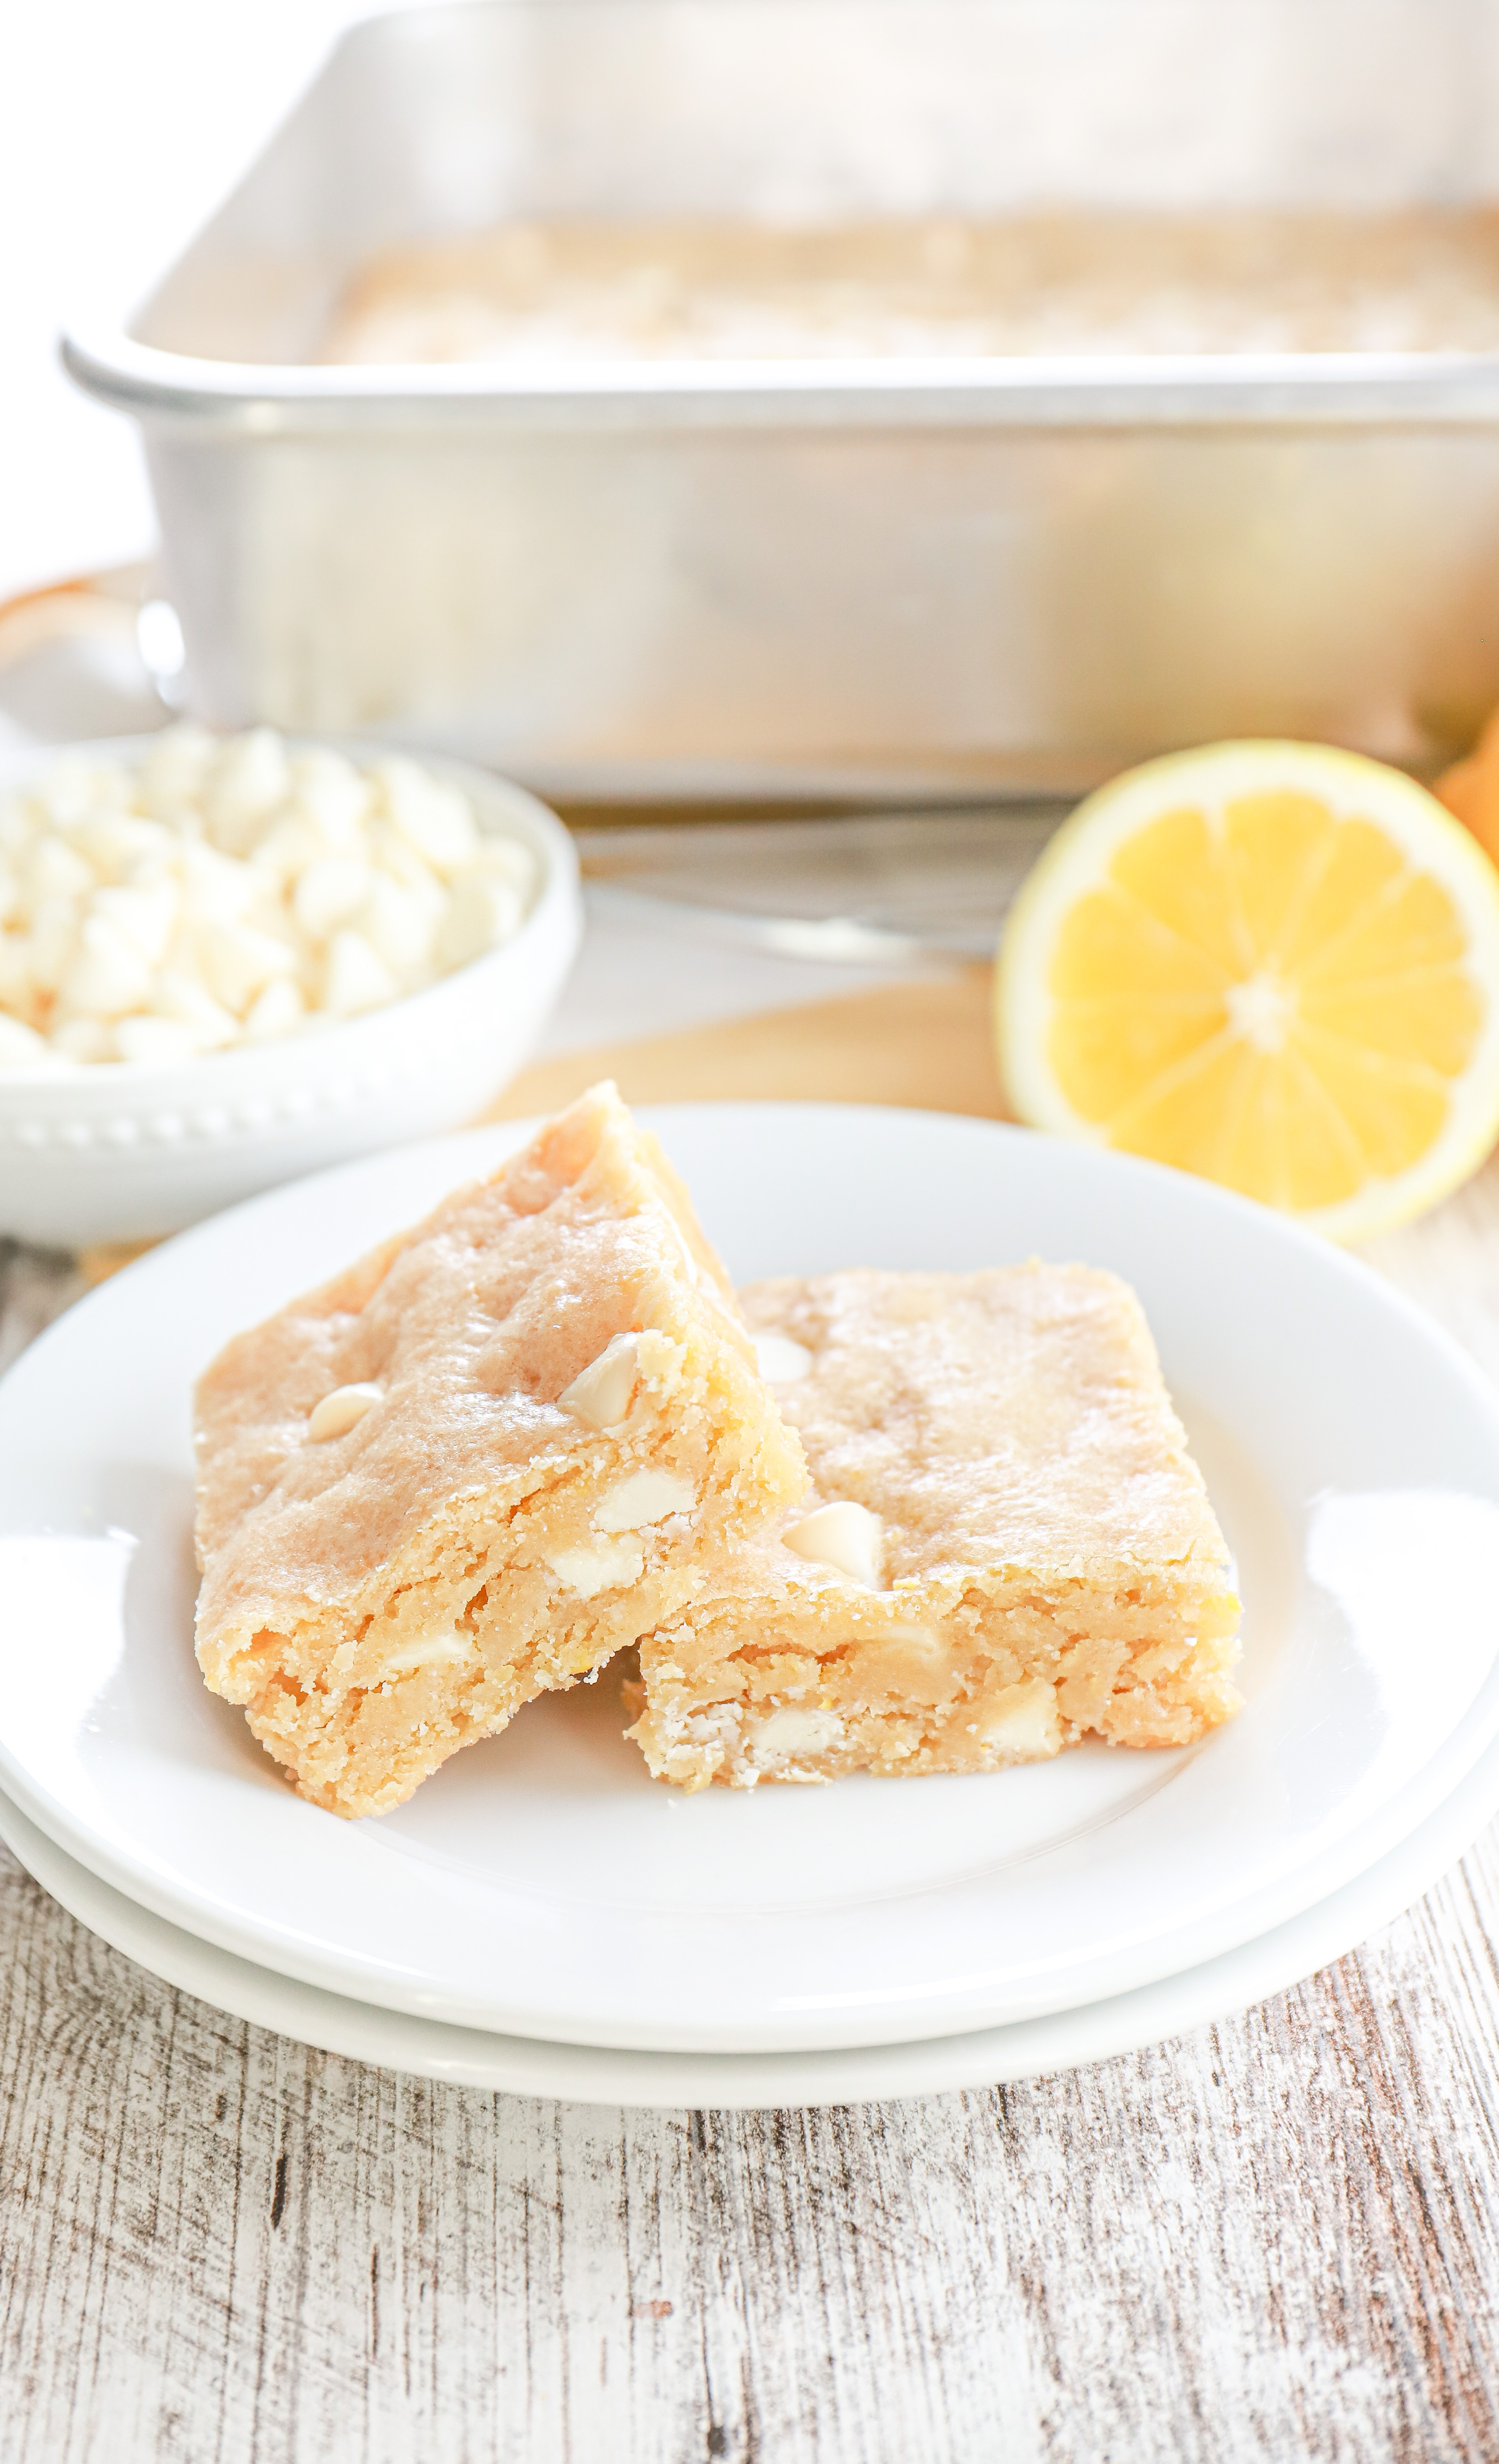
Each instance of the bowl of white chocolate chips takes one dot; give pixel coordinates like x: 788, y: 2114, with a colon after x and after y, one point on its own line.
x: 226, y: 961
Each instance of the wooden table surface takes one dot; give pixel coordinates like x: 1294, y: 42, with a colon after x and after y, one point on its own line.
x: 1278, y: 2238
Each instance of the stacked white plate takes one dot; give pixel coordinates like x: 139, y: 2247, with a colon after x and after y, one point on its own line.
x: 542, y: 1917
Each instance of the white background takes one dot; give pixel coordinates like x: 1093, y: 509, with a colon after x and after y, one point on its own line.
x: 121, y: 124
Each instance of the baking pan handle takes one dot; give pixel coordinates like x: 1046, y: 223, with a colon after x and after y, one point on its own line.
x: 99, y: 653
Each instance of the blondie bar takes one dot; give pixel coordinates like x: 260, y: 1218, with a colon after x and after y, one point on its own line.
x: 477, y: 1463
x: 1006, y: 1546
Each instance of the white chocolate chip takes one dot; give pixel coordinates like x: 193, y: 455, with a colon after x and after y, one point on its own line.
x: 145, y: 915
x: 607, y: 1565
x: 245, y: 778
x: 480, y: 915
x: 338, y: 1412
x: 601, y: 1394
x: 796, y: 1730
x: 433, y: 817
x: 1023, y: 1721
x: 356, y: 977
x: 645, y: 1496
x: 21, y: 1048
x: 182, y: 996
x: 108, y: 976
x: 237, y: 961
x: 51, y: 942
x: 845, y: 1536
x: 56, y: 870
x: 503, y: 860
x: 398, y: 920
x: 444, y: 1650
x: 68, y: 789
x: 86, y: 1039
x: 118, y: 843
x: 276, y: 1011
x: 176, y: 889
x: 329, y: 892
x: 215, y: 889
x: 162, y: 1041
x: 329, y: 793
x: 783, y: 1360
x: 286, y: 849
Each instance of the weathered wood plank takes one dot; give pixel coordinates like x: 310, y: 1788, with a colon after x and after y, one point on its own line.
x: 1278, y: 2238
x: 36, y: 1286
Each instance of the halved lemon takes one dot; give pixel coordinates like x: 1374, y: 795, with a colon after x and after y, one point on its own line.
x: 1276, y: 965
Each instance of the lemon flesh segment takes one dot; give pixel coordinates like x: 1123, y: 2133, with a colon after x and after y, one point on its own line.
x: 1286, y: 980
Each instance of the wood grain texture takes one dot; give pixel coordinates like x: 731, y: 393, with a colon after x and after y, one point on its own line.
x: 927, y: 1043
x: 1278, y: 2239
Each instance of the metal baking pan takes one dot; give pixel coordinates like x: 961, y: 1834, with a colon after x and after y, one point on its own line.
x: 883, y: 578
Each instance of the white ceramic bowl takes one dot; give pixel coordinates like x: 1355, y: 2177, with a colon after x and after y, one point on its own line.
x: 122, y: 1151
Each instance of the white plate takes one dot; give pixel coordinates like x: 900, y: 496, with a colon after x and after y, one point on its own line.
x: 594, y: 2074
x: 540, y: 1884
